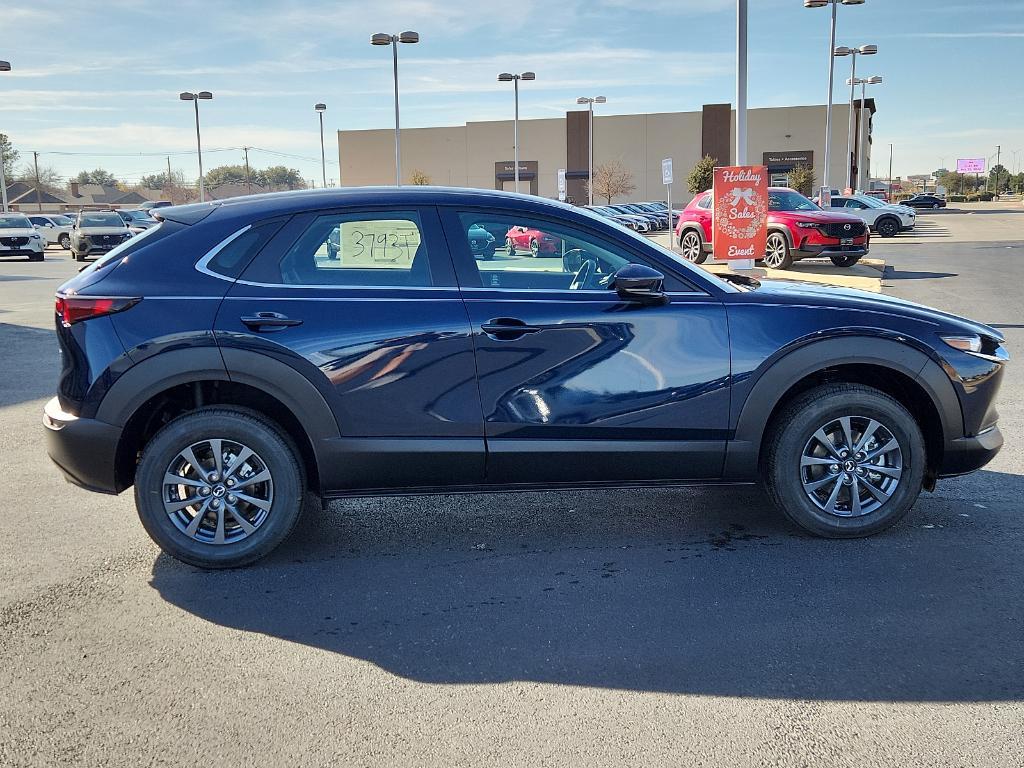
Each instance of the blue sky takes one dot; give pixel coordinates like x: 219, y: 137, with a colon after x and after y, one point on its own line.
x: 952, y: 70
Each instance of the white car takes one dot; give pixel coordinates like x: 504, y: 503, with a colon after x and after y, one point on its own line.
x: 886, y: 219
x: 54, y: 227
x: 19, y: 238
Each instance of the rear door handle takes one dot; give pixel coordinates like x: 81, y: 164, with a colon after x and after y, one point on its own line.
x: 273, y: 321
x: 507, y: 328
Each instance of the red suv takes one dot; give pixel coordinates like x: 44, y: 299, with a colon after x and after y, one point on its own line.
x: 797, y: 229
x: 523, y: 238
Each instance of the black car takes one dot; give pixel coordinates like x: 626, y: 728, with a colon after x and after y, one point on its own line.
x: 223, y: 364
x: 924, y: 201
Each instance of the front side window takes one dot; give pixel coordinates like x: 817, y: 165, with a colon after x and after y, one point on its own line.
x: 359, y: 249
x: 788, y: 200
x: 514, y: 251
x: 704, y: 202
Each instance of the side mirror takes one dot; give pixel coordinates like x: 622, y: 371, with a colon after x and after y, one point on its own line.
x: 640, y: 283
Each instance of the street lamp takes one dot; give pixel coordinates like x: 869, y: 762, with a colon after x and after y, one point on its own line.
x: 506, y: 77
x: 831, y: 77
x: 864, y: 50
x: 321, y: 108
x: 5, y: 66
x: 863, y: 82
x: 590, y: 102
x: 393, y: 40
x: 195, y: 98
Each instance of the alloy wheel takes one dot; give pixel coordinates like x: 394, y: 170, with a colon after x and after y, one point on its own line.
x: 690, y: 246
x: 851, y: 466
x: 217, y: 491
x: 775, y: 252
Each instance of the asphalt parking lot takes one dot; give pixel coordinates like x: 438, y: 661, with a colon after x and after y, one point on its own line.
x: 651, y: 627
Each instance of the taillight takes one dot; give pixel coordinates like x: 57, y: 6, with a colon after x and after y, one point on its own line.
x: 73, y: 309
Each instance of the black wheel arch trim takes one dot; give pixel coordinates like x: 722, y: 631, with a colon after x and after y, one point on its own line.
x: 785, y: 233
x: 779, y: 374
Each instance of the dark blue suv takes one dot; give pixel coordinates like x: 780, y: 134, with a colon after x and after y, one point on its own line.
x: 349, y: 342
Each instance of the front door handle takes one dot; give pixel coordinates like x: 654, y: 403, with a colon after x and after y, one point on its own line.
x: 507, y: 328
x: 271, y: 321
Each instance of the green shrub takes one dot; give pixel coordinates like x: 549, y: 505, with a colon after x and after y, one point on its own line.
x: 956, y: 199
x: 984, y: 197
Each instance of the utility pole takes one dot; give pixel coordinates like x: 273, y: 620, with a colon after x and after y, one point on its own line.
x: 248, y: 179
x: 890, y: 174
x: 3, y: 183
x: 999, y: 149
x: 39, y: 199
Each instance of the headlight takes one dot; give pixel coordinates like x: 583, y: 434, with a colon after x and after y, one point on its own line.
x: 964, y: 343
x: 807, y: 224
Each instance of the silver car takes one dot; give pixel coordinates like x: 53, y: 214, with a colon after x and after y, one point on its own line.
x: 96, y: 232
x: 55, y: 228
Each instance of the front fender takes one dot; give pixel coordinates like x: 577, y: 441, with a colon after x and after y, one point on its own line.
x: 777, y: 376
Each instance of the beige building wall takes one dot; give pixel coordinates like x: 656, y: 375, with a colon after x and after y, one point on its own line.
x: 466, y: 155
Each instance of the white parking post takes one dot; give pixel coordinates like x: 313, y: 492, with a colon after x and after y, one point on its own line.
x: 666, y: 179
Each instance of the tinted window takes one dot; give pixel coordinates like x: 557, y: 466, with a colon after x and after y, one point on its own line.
x: 359, y: 249
x: 529, y: 253
x: 235, y: 256
x: 40, y: 220
x: 704, y: 202
x: 788, y: 200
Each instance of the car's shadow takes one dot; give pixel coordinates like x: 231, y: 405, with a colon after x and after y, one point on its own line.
x: 689, y: 591
x: 30, y: 363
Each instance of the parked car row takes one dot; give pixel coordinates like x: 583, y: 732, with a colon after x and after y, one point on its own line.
x: 640, y: 217
x: 888, y: 220
x: 19, y: 238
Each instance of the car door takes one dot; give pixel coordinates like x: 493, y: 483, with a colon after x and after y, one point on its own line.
x: 44, y: 227
x: 381, y: 331
x: 577, y: 384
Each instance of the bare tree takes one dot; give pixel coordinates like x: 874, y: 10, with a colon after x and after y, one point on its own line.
x: 612, y: 180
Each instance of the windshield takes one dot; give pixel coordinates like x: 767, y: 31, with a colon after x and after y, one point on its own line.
x: 100, y: 220
x: 63, y: 221
x: 14, y: 221
x: 872, y: 202
x: 788, y: 200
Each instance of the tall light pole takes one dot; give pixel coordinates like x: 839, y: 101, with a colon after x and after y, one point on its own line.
x: 890, y: 174
x: 590, y: 102
x: 5, y: 66
x: 195, y: 98
x: 320, y: 109
x: 863, y: 82
x: 506, y: 77
x: 831, y: 77
x: 864, y: 50
x: 393, y: 40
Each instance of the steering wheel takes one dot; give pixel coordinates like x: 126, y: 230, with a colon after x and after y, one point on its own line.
x: 582, y: 276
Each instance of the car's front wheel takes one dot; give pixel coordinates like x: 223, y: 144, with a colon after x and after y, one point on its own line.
x: 845, y: 260
x: 844, y: 460
x: 887, y: 227
x: 65, y: 242
x: 777, y: 254
x: 218, y: 488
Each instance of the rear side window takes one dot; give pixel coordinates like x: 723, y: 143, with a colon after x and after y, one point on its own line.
x: 234, y: 256
x: 370, y: 249
x: 704, y: 202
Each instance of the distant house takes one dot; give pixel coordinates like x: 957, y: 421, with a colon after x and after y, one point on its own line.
x: 22, y: 196
x: 108, y: 194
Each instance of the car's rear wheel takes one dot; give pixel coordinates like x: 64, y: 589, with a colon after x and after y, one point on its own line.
x: 777, y: 254
x: 844, y: 460
x: 935, y: 206
x: 65, y: 242
x: 692, y: 247
x: 845, y: 260
x: 534, y: 247
x: 887, y: 227
x: 218, y: 488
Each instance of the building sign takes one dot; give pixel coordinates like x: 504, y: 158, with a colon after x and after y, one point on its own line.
x: 790, y: 158
x: 666, y: 171
x: 740, y: 212
x: 970, y: 165
x: 527, y: 169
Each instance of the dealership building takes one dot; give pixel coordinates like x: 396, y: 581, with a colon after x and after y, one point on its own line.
x: 480, y: 154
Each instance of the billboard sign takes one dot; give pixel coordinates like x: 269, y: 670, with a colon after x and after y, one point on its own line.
x: 970, y: 165
x: 740, y: 219
x: 666, y: 171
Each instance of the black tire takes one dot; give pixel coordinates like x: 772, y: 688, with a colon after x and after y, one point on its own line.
x: 887, y: 227
x: 777, y: 240
x: 691, y: 244
x: 64, y: 241
x: 36, y: 257
x: 534, y: 247
x: 791, y: 431
x: 249, y: 429
x: 935, y: 206
x: 845, y: 260
x: 510, y: 246
x: 489, y: 253
x: 78, y: 256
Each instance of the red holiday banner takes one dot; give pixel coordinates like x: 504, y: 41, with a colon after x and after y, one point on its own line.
x: 740, y: 217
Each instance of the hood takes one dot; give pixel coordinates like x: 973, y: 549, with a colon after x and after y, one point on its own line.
x: 18, y: 232
x: 825, y: 217
x: 851, y: 298
x: 103, y: 230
